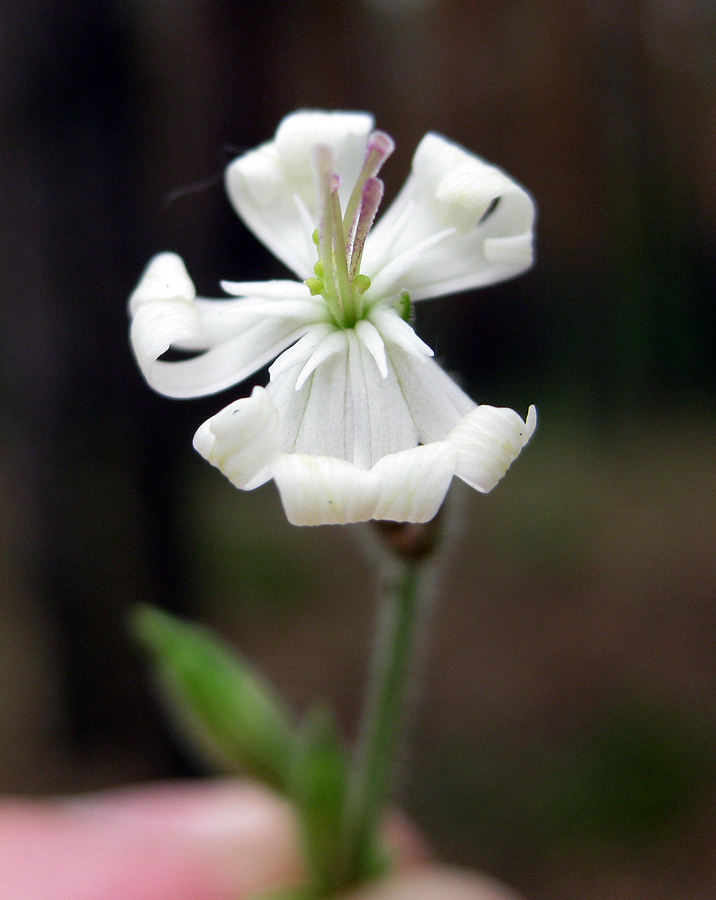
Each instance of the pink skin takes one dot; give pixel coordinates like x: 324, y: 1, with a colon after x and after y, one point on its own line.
x: 218, y: 840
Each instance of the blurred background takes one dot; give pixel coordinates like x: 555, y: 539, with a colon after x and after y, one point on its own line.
x: 566, y: 739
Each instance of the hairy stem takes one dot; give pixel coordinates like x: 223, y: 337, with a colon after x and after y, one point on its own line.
x: 382, y: 719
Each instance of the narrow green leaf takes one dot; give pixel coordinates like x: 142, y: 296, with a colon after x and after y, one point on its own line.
x: 318, y: 787
x: 225, y: 705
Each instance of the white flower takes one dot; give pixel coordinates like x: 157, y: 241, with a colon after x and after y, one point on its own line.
x: 357, y: 422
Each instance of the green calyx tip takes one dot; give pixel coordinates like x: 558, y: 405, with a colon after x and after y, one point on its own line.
x: 361, y: 283
x: 404, y: 306
x: 315, y: 286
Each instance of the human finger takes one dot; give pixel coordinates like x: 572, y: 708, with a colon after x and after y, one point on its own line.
x: 220, y: 840
x: 433, y: 882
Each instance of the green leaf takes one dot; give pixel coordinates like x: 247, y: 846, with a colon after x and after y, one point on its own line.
x: 318, y: 787
x: 225, y: 705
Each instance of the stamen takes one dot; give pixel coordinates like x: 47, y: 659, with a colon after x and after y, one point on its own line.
x: 380, y: 146
x: 340, y: 263
x: 370, y: 201
x: 326, y: 183
x: 339, y: 254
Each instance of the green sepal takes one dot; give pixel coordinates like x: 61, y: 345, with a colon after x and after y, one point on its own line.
x: 404, y: 307
x: 319, y: 778
x: 225, y: 705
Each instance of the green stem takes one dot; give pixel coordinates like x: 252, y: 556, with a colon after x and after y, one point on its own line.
x: 382, y: 718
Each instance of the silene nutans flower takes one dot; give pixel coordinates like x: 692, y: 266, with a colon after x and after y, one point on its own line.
x: 357, y: 421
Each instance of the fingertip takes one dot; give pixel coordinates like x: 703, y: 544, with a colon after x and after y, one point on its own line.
x: 241, y: 838
x: 405, y: 843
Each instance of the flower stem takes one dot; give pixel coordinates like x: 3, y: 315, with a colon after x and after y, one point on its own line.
x: 382, y: 718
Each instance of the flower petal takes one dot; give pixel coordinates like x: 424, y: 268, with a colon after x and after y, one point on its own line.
x: 301, y: 351
x: 239, y: 336
x: 165, y: 278
x: 412, y: 484
x: 473, y: 221
x: 272, y: 188
x: 333, y: 343
x: 229, y: 363
x: 346, y: 408
x: 370, y: 337
x: 435, y: 401
x: 399, y: 332
x: 404, y: 487
x: 488, y: 440
x: 277, y: 289
x: 163, y: 310
x: 323, y: 490
x: 242, y: 439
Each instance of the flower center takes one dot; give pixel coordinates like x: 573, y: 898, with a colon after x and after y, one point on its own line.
x: 340, y: 236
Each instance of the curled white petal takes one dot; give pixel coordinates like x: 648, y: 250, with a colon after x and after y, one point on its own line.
x: 345, y: 133
x: 273, y: 190
x: 323, y: 490
x: 459, y: 208
x: 412, y: 484
x: 156, y: 327
x: 512, y: 251
x: 232, y: 338
x: 163, y: 310
x: 407, y: 487
x: 243, y: 439
x: 488, y: 440
x: 165, y: 278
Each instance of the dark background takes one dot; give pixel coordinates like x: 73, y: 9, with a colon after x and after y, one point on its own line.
x: 566, y: 737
